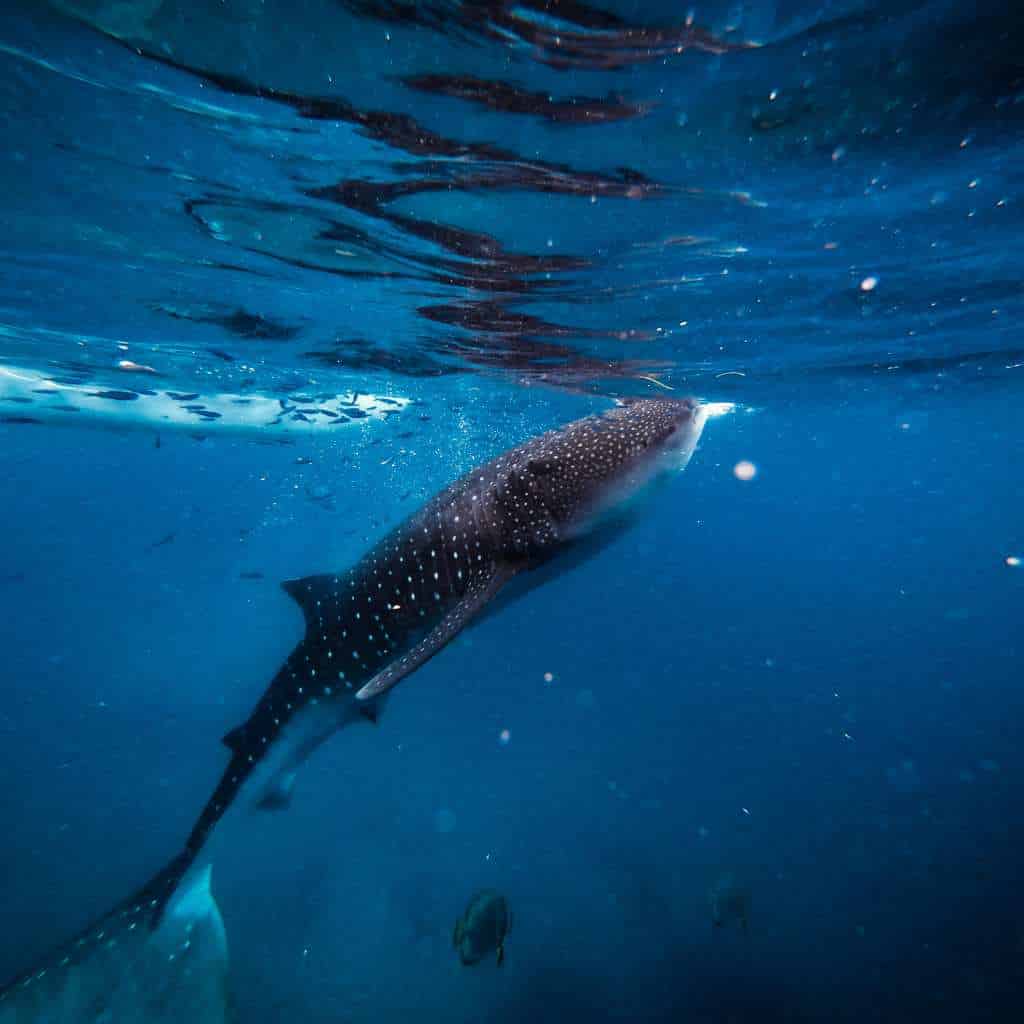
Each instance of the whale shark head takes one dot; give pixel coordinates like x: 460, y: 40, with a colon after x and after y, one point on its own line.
x: 638, y: 443
x: 565, y: 482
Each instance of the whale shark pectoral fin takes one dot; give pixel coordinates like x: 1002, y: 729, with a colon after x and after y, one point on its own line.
x: 480, y: 592
x: 278, y: 794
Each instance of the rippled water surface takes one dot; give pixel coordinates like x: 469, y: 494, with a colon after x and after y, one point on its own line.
x: 275, y: 272
x: 268, y: 197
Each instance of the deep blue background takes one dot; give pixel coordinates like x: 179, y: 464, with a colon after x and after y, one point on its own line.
x: 716, y: 658
x: 810, y: 680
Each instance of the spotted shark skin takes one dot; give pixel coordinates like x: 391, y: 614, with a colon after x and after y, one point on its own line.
x: 422, y: 584
x: 369, y: 627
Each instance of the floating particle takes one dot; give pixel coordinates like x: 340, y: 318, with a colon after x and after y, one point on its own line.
x: 130, y: 367
x: 838, y: 153
x: 869, y: 284
x: 831, y: 245
x: 744, y: 470
x: 549, y: 677
x: 1013, y: 561
x: 504, y: 736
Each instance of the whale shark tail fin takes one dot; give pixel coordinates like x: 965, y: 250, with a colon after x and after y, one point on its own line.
x: 158, y: 958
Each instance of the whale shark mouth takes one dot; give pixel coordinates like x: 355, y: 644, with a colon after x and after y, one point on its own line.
x: 712, y: 410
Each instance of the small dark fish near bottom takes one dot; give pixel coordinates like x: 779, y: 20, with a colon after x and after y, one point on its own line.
x: 482, y: 928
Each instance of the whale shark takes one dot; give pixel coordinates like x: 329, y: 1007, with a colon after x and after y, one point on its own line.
x: 123, y: 971
x: 370, y: 626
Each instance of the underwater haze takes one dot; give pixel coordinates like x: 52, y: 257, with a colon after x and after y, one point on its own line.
x: 275, y: 273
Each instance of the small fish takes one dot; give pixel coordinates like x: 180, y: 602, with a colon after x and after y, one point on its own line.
x: 729, y: 901
x: 132, y: 367
x: 251, y: 575
x: 162, y: 541
x: 117, y: 396
x: 482, y: 928
x: 321, y: 495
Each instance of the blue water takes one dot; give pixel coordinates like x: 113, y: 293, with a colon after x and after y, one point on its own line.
x: 807, y: 682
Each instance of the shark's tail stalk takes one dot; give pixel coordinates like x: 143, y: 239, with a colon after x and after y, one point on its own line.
x: 159, y: 957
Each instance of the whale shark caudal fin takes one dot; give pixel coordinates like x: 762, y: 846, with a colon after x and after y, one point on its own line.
x: 136, y: 965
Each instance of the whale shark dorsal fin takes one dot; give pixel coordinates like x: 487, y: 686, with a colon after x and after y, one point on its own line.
x: 311, y: 594
x: 481, y: 590
x: 234, y: 740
